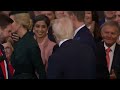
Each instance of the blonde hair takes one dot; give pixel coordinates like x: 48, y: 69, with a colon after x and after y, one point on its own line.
x: 63, y: 28
x: 24, y: 19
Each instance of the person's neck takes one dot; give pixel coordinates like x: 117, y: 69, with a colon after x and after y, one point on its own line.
x: 78, y: 24
x: 2, y: 41
x: 88, y: 24
x: 108, y: 45
x: 40, y: 40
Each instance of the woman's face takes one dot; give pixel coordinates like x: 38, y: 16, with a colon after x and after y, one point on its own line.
x: 117, y: 16
x: 40, y: 29
x: 88, y: 17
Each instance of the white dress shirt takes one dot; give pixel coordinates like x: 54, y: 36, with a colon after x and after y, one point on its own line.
x: 62, y: 42
x: 111, y: 54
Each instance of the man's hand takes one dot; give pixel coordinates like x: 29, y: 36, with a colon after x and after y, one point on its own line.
x: 15, y: 37
x: 112, y: 75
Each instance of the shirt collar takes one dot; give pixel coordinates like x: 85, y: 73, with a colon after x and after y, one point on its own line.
x: 112, y: 47
x: 78, y: 29
x: 62, y: 42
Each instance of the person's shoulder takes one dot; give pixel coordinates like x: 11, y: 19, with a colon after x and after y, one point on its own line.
x: 30, y: 40
x: 117, y: 47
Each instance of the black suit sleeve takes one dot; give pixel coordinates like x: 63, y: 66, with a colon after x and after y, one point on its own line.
x: 117, y: 65
x: 37, y: 62
x: 54, y: 67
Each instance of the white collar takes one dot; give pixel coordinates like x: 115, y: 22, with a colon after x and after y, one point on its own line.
x: 112, y: 47
x: 62, y: 42
x: 78, y: 29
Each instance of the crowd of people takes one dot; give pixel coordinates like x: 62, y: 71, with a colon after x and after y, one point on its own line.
x: 59, y: 45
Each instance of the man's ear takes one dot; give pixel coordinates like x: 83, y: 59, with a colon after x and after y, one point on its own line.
x: 0, y: 29
x: 73, y: 17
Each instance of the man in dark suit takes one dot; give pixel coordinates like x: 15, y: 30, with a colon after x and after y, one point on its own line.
x: 108, y: 68
x: 5, y: 32
x: 82, y: 33
x: 108, y: 16
x: 70, y: 60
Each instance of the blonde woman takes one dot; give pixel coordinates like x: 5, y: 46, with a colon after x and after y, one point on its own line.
x: 26, y: 58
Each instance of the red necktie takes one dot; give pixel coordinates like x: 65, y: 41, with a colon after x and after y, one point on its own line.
x: 3, y: 66
x: 108, y: 57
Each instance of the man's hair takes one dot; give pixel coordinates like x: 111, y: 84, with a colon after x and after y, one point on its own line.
x: 79, y: 14
x: 5, y: 21
x: 63, y: 28
x: 112, y: 24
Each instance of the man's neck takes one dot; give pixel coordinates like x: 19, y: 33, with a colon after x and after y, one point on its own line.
x: 109, y: 19
x: 78, y: 24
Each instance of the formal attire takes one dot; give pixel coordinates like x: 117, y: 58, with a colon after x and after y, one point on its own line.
x: 84, y: 36
x: 26, y: 59
x: 71, y: 61
x: 46, y: 47
x: 101, y: 21
x: 104, y: 70
x: 4, y: 70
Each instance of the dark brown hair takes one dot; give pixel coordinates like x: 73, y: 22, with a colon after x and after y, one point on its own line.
x: 79, y: 14
x: 5, y: 21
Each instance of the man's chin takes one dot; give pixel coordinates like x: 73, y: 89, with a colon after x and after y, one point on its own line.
x: 2, y: 41
x: 109, y: 43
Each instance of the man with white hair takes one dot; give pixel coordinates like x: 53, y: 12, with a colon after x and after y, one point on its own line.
x: 70, y: 60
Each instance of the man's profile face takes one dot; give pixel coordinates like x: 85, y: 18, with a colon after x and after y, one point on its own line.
x: 5, y: 33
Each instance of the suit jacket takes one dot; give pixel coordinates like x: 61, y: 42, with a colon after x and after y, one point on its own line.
x: 7, y: 69
x: 102, y: 71
x: 84, y: 36
x: 101, y: 21
x: 116, y: 61
x: 72, y: 61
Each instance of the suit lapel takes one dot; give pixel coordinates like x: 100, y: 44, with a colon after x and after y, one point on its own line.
x: 102, y: 44
x: 117, y: 47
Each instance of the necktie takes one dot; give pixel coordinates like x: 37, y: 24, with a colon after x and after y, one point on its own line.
x: 3, y: 66
x: 108, y: 57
